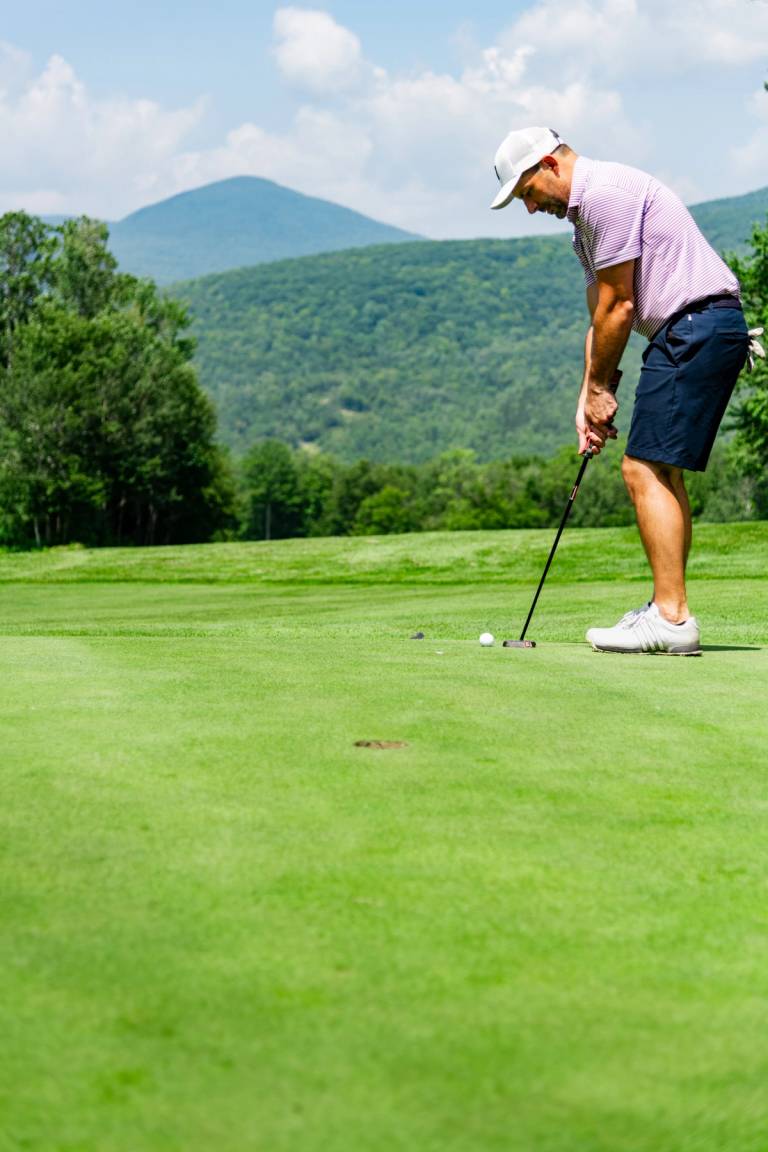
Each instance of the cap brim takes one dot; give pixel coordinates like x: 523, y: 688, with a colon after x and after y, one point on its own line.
x: 505, y: 194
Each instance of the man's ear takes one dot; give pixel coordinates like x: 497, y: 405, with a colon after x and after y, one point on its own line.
x: 551, y: 162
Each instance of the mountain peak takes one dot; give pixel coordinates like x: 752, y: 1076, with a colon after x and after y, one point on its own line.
x: 240, y: 221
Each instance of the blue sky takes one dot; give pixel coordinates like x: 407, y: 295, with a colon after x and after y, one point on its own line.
x: 395, y: 110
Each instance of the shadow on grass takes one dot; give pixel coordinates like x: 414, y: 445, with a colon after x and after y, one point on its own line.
x: 731, y: 648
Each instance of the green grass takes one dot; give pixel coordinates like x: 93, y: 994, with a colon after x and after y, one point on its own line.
x: 541, y: 925
x: 721, y: 551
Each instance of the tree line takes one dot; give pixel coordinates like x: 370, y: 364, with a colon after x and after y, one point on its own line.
x: 287, y: 493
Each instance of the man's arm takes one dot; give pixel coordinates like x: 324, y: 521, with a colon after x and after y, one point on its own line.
x: 611, y: 304
x: 581, y: 426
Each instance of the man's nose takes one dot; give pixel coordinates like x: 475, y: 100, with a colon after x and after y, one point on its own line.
x: 531, y: 206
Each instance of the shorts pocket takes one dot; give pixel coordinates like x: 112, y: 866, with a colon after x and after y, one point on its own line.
x: 679, y: 339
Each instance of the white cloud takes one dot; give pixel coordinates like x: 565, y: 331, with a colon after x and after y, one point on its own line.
x: 314, y: 52
x: 66, y: 152
x: 725, y: 32
x: 577, y: 34
x: 623, y: 38
x: 749, y: 157
x: 324, y: 155
x: 497, y: 71
x: 15, y: 68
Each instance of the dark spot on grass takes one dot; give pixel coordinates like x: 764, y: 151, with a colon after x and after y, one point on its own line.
x: 381, y: 744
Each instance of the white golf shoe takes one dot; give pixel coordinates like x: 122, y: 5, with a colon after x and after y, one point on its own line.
x: 646, y: 630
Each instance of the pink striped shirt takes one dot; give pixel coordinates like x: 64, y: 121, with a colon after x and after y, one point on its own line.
x: 620, y: 213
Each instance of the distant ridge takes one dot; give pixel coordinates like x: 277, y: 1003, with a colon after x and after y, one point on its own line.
x: 728, y: 223
x: 246, y: 220
x: 235, y: 223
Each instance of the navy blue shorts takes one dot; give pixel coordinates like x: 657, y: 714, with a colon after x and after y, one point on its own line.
x: 689, y: 371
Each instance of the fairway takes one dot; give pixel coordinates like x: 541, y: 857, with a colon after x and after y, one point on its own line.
x: 541, y: 925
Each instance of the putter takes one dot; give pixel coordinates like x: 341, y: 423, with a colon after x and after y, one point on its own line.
x: 522, y: 642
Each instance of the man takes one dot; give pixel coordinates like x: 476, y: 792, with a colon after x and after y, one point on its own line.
x: 648, y: 267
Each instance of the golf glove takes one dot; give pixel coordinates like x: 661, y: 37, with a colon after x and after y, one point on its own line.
x: 755, y: 347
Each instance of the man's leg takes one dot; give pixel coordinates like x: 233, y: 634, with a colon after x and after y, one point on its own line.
x: 664, y: 520
x: 677, y: 477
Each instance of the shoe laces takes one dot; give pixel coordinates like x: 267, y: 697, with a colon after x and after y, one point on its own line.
x: 629, y: 619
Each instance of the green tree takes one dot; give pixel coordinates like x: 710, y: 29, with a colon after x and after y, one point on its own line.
x: 26, y: 253
x: 449, y: 485
x: 156, y: 438
x: 725, y: 492
x: 84, y: 275
x: 316, y: 475
x: 351, y: 486
x: 106, y: 436
x: 751, y: 419
x: 47, y: 489
x: 603, y: 500
x: 390, y: 510
x: 272, y: 493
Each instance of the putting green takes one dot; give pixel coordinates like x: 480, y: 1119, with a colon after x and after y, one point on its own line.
x: 540, y: 924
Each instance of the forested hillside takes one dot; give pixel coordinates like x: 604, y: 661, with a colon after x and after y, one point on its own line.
x: 400, y: 352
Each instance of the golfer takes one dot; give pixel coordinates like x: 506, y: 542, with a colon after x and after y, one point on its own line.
x: 648, y: 267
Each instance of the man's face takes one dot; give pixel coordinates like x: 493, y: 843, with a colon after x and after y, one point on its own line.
x: 543, y: 189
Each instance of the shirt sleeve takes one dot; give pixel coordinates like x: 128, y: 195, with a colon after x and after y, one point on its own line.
x: 613, y: 219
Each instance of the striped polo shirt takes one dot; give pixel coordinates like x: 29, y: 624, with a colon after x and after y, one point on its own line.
x: 620, y: 213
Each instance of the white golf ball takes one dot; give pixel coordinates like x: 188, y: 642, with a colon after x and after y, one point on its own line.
x: 486, y: 639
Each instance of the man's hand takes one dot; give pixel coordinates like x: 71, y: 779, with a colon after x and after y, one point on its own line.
x: 594, y: 417
x: 581, y: 429
x: 599, y: 411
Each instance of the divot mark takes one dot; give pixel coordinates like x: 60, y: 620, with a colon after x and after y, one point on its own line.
x: 381, y: 744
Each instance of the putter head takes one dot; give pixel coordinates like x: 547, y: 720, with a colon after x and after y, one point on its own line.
x: 519, y: 644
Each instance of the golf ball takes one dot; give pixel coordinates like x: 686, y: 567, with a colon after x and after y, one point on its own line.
x: 486, y: 639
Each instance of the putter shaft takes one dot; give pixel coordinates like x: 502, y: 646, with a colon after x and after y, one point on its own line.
x: 566, y: 514
x: 522, y: 642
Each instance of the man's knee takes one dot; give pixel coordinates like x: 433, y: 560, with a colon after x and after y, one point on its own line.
x: 641, y: 474
x: 635, y: 473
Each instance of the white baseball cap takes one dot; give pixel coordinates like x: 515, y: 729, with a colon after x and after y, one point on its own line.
x: 518, y: 152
